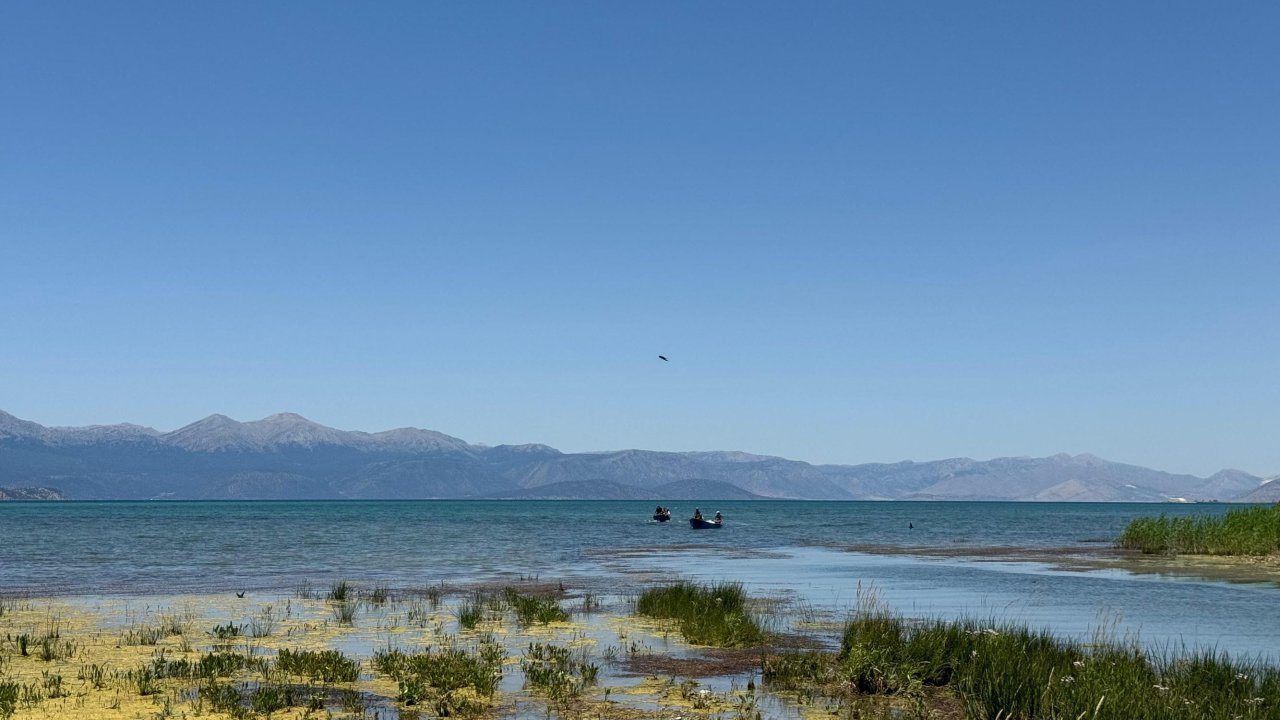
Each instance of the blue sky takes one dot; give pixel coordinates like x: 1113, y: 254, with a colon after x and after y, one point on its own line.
x: 861, y: 231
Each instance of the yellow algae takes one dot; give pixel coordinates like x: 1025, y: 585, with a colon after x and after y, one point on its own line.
x: 111, y: 643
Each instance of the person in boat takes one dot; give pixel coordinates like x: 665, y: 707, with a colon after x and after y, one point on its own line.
x: 658, y: 511
x: 719, y: 518
x: 697, y: 514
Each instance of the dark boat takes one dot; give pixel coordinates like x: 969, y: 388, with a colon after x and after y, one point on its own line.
x: 662, y: 517
x: 701, y: 524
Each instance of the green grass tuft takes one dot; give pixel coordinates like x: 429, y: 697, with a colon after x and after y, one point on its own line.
x: 706, y: 615
x: 534, y: 610
x: 327, y: 666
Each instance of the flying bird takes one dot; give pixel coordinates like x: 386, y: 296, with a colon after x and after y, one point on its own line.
x: 663, y: 358
x: 240, y: 594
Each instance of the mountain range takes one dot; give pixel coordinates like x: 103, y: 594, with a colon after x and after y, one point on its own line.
x: 287, y: 456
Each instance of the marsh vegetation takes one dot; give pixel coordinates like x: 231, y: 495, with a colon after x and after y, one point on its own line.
x: 1251, y: 531
x: 500, y: 652
x: 989, y: 670
x: 714, y: 615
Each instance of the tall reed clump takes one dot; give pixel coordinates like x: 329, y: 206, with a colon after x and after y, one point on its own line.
x: 1242, y: 531
x: 706, y: 615
x: 1012, y: 672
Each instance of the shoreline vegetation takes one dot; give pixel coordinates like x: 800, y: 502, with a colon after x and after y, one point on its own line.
x: 538, y: 649
x: 1242, y: 532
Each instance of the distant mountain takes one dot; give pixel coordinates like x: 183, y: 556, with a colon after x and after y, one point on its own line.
x: 581, y: 490
x: 31, y: 493
x: 1267, y: 492
x: 287, y: 456
x: 697, y: 489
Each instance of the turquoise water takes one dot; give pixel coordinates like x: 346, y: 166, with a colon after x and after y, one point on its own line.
x: 815, y: 554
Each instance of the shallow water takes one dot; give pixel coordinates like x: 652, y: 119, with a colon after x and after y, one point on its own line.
x: 798, y: 550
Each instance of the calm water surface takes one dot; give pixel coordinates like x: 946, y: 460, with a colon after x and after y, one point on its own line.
x: 804, y: 551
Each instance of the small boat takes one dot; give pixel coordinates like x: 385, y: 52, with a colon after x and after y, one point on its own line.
x: 662, y: 517
x: 701, y: 524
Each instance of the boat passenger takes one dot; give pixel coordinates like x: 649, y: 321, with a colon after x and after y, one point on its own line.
x: 719, y: 518
x: 697, y: 514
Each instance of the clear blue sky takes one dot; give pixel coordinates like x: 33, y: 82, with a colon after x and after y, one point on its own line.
x: 861, y: 231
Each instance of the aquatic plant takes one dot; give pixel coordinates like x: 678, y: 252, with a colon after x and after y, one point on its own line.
x: 95, y: 674
x: 380, y: 595
x: 345, y: 611
x: 141, y: 636
x: 54, y: 648
x: 1242, y: 531
x: 1004, y: 671
x: 222, y: 698
x: 229, y: 631
x: 706, y: 615
x: 9, y: 694
x: 531, y: 609
x: 264, y: 624
x: 452, y: 680
x: 557, y: 672
x: 304, y: 590
x: 470, y: 613
x: 327, y: 666
x: 340, y: 591
x: 144, y: 680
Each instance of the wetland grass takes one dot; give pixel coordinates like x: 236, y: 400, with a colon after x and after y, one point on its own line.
x: 380, y: 595
x: 345, y: 611
x: 452, y: 680
x: 340, y: 591
x: 9, y: 694
x: 1251, y: 531
x: 470, y: 613
x: 557, y: 672
x: 326, y: 666
x: 714, y: 615
x: 1011, y: 671
x: 533, y: 609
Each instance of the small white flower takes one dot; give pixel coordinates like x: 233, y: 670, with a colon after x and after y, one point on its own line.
x: 1241, y: 676
x: 1161, y: 688
x: 1078, y: 663
x: 1068, y: 679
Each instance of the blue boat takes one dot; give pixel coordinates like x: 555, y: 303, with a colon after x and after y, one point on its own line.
x: 701, y: 524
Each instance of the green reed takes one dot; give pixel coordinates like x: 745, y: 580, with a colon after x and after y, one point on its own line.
x: 1243, y: 531
x: 1011, y: 671
x: 706, y: 615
